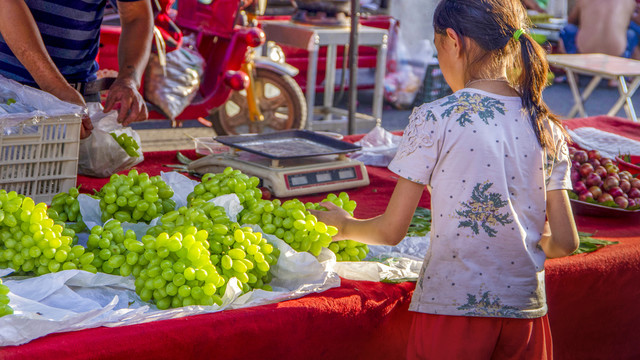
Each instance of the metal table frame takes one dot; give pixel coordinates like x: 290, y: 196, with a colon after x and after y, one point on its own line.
x: 311, y: 38
x: 600, y: 66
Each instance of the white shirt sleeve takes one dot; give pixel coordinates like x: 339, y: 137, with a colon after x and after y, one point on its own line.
x: 418, y: 151
x: 560, y: 178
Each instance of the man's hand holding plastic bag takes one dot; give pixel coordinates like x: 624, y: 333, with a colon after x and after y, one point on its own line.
x: 102, y: 153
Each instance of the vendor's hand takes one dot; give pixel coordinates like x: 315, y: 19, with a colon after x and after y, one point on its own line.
x: 334, y: 216
x: 87, y: 127
x: 132, y: 106
x: 70, y: 95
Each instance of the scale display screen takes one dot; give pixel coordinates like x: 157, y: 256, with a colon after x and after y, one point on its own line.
x: 321, y: 177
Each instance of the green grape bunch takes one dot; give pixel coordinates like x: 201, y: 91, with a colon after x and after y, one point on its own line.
x: 135, y: 197
x: 5, y: 309
x: 229, y: 181
x: 184, y: 268
x: 65, y: 207
x: 30, y: 241
x: 127, y: 143
x: 345, y: 250
x: 213, y: 219
x: 291, y: 222
x: 112, y: 250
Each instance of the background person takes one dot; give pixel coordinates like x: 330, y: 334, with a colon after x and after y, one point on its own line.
x: 496, y: 162
x: 597, y: 26
x: 53, y: 45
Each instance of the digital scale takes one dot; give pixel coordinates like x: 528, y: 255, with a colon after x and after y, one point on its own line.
x: 289, y: 163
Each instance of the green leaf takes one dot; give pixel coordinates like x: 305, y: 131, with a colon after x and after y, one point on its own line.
x: 183, y: 159
x: 589, y: 244
x: 420, y: 223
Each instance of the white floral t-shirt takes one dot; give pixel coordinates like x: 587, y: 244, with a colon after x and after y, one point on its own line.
x: 488, y: 177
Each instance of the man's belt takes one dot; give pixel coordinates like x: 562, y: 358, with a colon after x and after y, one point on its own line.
x: 93, y: 87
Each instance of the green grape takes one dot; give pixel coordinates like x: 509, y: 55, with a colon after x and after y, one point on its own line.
x: 345, y: 250
x: 227, y: 182
x: 66, y: 208
x: 5, y: 309
x: 135, y: 197
x: 35, y: 244
x: 127, y: 143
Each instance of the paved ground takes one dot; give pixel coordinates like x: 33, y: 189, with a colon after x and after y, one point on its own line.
x: 157, y: 135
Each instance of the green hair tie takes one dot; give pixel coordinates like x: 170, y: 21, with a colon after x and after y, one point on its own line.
x: 517, y: 34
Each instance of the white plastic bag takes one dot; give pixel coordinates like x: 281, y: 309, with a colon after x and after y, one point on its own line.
x: 100, y: 154
x: 171, y: 88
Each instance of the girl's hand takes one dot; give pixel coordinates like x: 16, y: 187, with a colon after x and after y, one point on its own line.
x: 334, y: 216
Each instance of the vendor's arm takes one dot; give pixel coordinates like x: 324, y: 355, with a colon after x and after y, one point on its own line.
x: 133, y: 53
x: 560, y: 237
x: 574, y: 14
x: 387, y: 229
x: 19, y: 30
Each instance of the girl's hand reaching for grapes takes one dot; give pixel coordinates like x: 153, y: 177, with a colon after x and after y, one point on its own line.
x: 334, y: 216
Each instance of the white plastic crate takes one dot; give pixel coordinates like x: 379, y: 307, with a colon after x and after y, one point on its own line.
x: 40, y: 160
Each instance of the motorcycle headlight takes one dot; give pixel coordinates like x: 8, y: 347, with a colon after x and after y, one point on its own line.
x: 274, y: 52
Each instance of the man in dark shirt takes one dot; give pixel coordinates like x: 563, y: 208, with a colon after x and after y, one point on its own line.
x: 53, y: 45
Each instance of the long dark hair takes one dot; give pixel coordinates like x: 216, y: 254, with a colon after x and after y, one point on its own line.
x: 492, y: 24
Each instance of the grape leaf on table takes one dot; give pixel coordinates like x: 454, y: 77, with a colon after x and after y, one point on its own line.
x: 589, y: 244
x: 420, y: 223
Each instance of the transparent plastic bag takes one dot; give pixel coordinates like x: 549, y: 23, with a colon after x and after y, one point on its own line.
x: 402, y: 83
x: 378, y: 147
x: 22, y: 105
x: 172, y: 87
x: 100, y: 154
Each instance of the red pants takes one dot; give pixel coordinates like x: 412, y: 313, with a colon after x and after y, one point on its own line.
x: 443, y: 337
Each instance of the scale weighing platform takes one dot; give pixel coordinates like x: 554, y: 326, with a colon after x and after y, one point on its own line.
x: 290, y: 163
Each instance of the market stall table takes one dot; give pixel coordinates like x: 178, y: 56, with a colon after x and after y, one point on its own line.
x: 600, y: 66
x: 592, y: 303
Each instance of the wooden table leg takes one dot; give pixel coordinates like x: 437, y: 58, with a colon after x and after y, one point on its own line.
x: 625, y: 98
x: 580, y: 99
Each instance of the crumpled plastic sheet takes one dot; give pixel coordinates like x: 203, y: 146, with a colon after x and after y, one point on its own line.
x: 73, y: 299
x: 609, y: 144
x: 388, y: 263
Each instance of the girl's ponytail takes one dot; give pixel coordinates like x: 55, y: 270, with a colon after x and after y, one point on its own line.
x: 531, y: 82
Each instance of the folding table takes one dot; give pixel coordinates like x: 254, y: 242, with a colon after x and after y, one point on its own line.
x: 600, y: 66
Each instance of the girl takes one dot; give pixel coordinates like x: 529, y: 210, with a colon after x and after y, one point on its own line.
x: 496, y: 163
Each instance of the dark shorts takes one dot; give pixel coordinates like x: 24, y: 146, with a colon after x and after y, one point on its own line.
x: 569, y: 33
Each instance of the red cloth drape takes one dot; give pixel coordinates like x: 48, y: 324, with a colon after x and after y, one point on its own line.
x: 592, y: 299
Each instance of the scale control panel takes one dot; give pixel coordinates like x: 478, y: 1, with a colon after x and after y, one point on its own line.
x: 314, y: 178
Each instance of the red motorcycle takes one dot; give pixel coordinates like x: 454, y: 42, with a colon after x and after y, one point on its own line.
x: 241, y: 91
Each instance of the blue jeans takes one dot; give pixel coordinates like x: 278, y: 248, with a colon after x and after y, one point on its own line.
x: 569, y: 33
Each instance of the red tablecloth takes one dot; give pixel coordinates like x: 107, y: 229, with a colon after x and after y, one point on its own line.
x: 593, y: 304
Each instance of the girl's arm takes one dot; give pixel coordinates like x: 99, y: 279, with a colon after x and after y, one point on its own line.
x: 561, y: 236
x: 386, y: 229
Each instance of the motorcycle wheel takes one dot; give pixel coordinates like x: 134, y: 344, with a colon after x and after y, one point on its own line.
x: 282, y: 104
